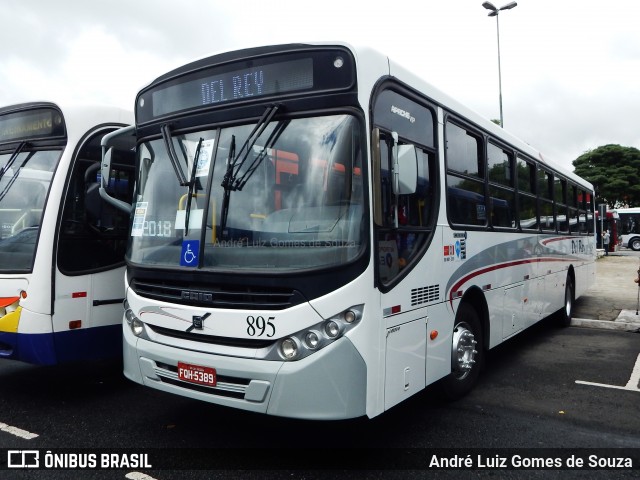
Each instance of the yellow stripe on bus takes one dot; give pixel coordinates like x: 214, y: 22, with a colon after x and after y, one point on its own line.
x: 9, y: 323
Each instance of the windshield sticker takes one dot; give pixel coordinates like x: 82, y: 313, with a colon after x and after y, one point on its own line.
x: 195, y: 219
x: 137, y: 230
x: 189, y: 253
x: 204, y: 158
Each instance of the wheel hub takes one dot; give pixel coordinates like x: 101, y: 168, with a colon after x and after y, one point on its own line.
x: 463, y: 351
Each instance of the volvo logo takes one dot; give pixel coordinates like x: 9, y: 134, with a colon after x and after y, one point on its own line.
x: 196, y: 296
x: 197, y: 322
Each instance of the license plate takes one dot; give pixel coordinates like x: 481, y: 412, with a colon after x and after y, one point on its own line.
x: 197, y: 374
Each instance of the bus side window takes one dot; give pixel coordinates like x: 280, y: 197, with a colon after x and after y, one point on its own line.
x: 465, y: 177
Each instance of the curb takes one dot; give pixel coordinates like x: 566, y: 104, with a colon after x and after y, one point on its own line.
x: 620, y: 325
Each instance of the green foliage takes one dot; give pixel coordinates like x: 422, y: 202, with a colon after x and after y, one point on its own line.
x: 614, y: 172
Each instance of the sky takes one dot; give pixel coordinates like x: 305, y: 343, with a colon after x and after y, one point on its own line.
x: 570, y: 68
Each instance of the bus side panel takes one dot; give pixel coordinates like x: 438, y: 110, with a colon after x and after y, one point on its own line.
x: 89, y: 343
x: 95, y: 301
x: 440, y: 320
x: 405, y: 362
x: 32, y: 348
x: 37, y: 348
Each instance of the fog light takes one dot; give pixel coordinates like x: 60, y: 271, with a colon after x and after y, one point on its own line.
x: 332, y: 329
x: 311, y: 340
x: 288, y: 348
x: 137, y: 327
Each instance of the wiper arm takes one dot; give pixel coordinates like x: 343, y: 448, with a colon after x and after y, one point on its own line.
x: 12, y: 159
x: 230, y: 181
x: 15, y: 174
x: 273, y: 138
x: 171, y: 151
x: 192, y: 182
x: 227, y: 191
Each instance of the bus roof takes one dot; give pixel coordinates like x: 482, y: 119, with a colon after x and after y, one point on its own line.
x: 364, y: 54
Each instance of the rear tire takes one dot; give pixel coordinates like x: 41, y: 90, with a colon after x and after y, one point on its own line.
x: 566, y: 314
x: 467, y: 353
x: 634, y: 244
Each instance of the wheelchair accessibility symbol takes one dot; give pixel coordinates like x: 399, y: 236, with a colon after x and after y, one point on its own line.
x: 189, y: 253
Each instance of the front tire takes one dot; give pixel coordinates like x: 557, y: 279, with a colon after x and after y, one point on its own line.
x: 467, y: 353
x: 634, y: 244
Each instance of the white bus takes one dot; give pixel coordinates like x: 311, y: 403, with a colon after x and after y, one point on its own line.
x: 61, y: 247
x: 318, y: 233
x: 629, y: 234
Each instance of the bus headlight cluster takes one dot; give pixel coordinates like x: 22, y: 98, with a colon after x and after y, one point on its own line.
x: 135, y: 324
x: 316, y: 337
x: 9, y: 305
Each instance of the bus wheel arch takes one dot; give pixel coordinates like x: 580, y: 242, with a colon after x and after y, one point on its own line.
x: 468, y: 345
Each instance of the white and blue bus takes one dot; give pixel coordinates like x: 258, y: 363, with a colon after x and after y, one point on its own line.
x: 61, y: 247
x: 319, y: 233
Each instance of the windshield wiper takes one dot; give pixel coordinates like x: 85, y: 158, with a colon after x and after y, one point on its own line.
x: 192, y: 182
x: 273, y: 138
x: 12, y: 159
x: 15, y: 174
x: 230, y: 181
x: 171, y: 151
x: 227, y: 191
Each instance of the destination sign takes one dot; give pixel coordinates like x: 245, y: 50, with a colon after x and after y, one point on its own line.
x: 246, y: 79
x: 236, y: 85
x: 30, y: 124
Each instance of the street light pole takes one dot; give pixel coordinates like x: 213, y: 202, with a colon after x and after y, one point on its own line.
x: 494, y: 13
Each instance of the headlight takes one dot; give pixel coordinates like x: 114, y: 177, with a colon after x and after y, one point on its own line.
x: 137, y: 327
x: 350, y: 316
x: 316, y: 337
x: 311, y: 340
x: 332, y: 329
x: 135, y: 324
x: 288, y: 348
x: 129, y: 316
x: 8, y: 305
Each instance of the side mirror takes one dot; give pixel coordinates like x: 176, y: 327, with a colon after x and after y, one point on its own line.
x: 105, y: 167
x: 109, y: 142
x: 405, y: 167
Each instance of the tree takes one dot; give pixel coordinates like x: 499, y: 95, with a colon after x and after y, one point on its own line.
x: 614, y: 172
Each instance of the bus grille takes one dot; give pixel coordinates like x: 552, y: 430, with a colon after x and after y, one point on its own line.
x: 219, y: 296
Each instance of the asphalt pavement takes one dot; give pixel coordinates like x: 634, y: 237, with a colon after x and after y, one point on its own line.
x: 613, y: 301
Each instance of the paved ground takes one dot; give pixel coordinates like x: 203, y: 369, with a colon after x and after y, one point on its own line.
x: 613, y: 301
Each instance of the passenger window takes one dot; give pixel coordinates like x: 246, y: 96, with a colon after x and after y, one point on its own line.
x: 463, y: 152
x: 466, y: 202
x: 501, y: 187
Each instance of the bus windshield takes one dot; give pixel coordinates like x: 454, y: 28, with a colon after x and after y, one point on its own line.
x: 274, y: 195
x: 24, y: 185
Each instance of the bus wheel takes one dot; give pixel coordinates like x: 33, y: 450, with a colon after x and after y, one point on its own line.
x: 467, y: 354
x: 569, y: 296
x: 634, y: 244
